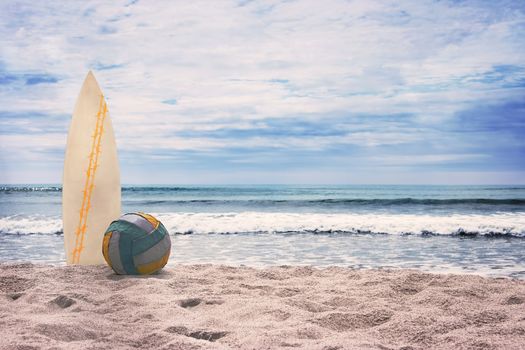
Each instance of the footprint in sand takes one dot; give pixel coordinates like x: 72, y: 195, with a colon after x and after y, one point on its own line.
x: 288, y: 292
x: 279, y: 315
x: 490, y: 317
x: 290, y: 345
x: 66, y: 333
x: 348, y: 321
x: 192, y: 302
x: 207, y: 335
x: 14, y: 296
x: 189, y: 303
x: 513, y: 300
x: 309, y: 306
x: 62, y: 301
x: 14, y: 284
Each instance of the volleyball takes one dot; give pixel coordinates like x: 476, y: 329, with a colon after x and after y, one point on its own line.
x: 136, y: 244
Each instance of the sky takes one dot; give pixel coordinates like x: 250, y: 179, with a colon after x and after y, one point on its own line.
x: 262, y: 92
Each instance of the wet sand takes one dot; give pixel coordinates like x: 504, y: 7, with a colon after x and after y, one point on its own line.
x: 222, y: 307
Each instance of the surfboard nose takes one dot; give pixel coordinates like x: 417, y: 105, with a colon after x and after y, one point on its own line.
x: 90, y: 86
x: 90, y: 77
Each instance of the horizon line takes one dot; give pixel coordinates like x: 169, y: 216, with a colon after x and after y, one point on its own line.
x: 276, y: 184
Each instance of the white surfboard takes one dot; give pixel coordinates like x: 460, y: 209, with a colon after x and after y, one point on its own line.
x: 91, y: 183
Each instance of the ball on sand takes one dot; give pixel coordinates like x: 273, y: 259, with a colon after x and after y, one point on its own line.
x: 136, y: 244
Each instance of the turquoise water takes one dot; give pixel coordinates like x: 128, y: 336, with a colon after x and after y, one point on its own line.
x: 476, y: 229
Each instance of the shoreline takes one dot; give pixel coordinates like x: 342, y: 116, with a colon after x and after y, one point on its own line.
x: 442, y: 254
x: 224, y: 307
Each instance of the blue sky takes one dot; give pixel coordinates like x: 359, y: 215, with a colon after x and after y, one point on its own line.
x: 271, y: 91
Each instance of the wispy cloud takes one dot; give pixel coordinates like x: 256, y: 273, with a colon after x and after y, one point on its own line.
x: 171, y: 101
x: 100, y: 66
x: 273, y: 88
x: 41, y: 79
x: 27, y: 79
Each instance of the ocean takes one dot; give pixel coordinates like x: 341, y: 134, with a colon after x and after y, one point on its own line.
x: 458, y: 229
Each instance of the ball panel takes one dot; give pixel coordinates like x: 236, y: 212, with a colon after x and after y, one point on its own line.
x: 105, y: 247
x: 152, y: 220
x: 125, y: 247
x: 114, y: 253
x: 144, y: 243
x: 154, y: 253
x: 132, y: 231
x: 154, y: 266
x: 139, y: 221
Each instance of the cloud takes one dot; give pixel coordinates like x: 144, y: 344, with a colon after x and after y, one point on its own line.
x: 305, y: 83
x: 6, y: 79
x: 99, y: 66
x: 40, y: 79
x: 105, y: 29
x: 27, y: 79
x: 171, y: 101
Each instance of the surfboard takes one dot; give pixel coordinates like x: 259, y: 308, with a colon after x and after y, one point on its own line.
x: 91, y: 179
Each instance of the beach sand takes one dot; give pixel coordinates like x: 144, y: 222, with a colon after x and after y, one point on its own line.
x: 221, y: 307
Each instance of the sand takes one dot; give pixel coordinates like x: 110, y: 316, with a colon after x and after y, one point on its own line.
x: 221, y: 307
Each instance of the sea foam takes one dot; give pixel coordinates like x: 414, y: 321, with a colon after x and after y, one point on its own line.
x: 508, y: 224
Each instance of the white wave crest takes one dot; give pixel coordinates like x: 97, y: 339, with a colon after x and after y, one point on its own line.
x: 508, y: 223
x: 261, y: 222
x: 19, y: 224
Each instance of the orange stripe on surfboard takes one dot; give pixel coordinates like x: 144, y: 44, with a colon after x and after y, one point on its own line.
x: 94, y: 153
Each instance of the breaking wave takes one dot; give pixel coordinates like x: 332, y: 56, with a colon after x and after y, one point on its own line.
x: 500, y: 224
